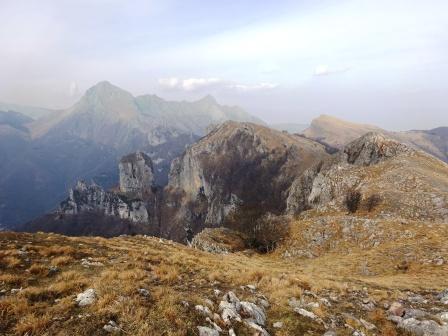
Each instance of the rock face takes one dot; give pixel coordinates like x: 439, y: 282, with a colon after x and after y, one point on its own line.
x: 371, y: 149
x: 376, y: 165
x: 136, y: 173
x: 90, y: 198
x: 236, y: 167
x: 90, y: 209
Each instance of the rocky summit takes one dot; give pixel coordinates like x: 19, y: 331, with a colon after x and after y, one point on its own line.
x: 237, y: 168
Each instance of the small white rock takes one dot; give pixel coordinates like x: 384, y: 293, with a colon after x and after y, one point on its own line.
x: 205, y: 311
x: 206, y: 331
x: 86, y: 298
x: 278, y: 325
x: 305, y: 313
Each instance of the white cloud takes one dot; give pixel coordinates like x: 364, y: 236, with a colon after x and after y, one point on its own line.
x: 189, y: 84
x: 195, y: 84
x: 256, y: 87
x: 325, y: 70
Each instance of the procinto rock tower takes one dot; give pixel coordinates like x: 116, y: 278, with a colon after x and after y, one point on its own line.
x: 136, y: 174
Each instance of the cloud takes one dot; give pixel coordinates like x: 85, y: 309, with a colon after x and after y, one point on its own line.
x: 325, y: 70
x: 189, y: 84
x: 256, y: 87
x: 195, y: 84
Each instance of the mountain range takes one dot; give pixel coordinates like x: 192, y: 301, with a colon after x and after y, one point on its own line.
x: 43, y: 158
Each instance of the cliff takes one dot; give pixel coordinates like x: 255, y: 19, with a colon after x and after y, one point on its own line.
x: 237, y: 167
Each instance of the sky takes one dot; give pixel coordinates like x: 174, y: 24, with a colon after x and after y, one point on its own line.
x: 380, y: 61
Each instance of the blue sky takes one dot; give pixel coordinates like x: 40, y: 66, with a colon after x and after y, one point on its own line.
x: 382, y: 62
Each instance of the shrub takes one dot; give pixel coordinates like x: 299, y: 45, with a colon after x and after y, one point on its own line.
x: 372, y: 202
x: 352, y: 200
x: 269, y: 232
x: 264, y: 232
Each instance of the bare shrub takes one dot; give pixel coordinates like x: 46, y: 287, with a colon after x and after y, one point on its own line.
x: 353, y: 200
x: 269, y: 232
x: 372, y: 202
x: 264, y: 232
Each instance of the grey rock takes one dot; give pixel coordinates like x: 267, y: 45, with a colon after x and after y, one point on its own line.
x: 256, y: 327
x: 88, y: 198
x: 397, y: 309
x: 306, y: 313
x: 111, y: 327
x: 255, y: 313
x: 86, y: 298
x: 367, y: 325
x: 415, y: 313
x: 203, y: 310
x: 423, y: 328
x: 278, y: 325
x: 206, y: 331
x: 136, y: 173
x: 229, y: 312
x: 330, y: 333
x: 143, y: 292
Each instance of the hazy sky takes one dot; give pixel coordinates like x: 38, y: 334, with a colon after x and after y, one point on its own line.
x: 377, y: 61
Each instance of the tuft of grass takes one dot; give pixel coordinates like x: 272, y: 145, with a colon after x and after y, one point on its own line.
x: 50, y: 251
x: 10, y: 262
x: 11, y: 279
x: 167, y: 273
x: 38, y: 269
x: 62, y: 260
x: 31, y: 324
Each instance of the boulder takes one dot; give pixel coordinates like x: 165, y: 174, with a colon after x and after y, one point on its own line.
x: 396, y: 309
x: 86, y: 298
x: 206, y: 331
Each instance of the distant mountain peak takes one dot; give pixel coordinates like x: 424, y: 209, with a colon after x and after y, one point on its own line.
x: 209, y: 99
x: 105, y: 88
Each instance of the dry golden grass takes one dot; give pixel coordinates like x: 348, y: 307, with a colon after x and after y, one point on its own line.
x: 62, y: 260
x: 173, y: 273
x: 10, y: 279
x: 51, y: 251
x: 10, y: 262
x: 31, y: 324
x: 38, y: 269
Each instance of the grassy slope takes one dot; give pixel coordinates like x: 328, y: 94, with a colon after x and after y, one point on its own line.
x: 174, y: 273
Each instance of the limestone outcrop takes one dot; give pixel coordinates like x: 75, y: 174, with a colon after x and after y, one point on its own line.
x: 92, y: 198
x: 380, y: 167
x: 236, y: 167
x: 136, y: 173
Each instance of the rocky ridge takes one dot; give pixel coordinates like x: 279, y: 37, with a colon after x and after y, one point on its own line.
x: 376, y: 165
x: 93, y: 198
x: 338, y: 133
x: 236, y: 167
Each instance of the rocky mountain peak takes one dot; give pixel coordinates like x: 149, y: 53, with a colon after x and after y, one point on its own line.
x: 372, y: 148
x: 136, y: 173
x: 105, y: 99
x: 209, y: 99
x: 235, y: 168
